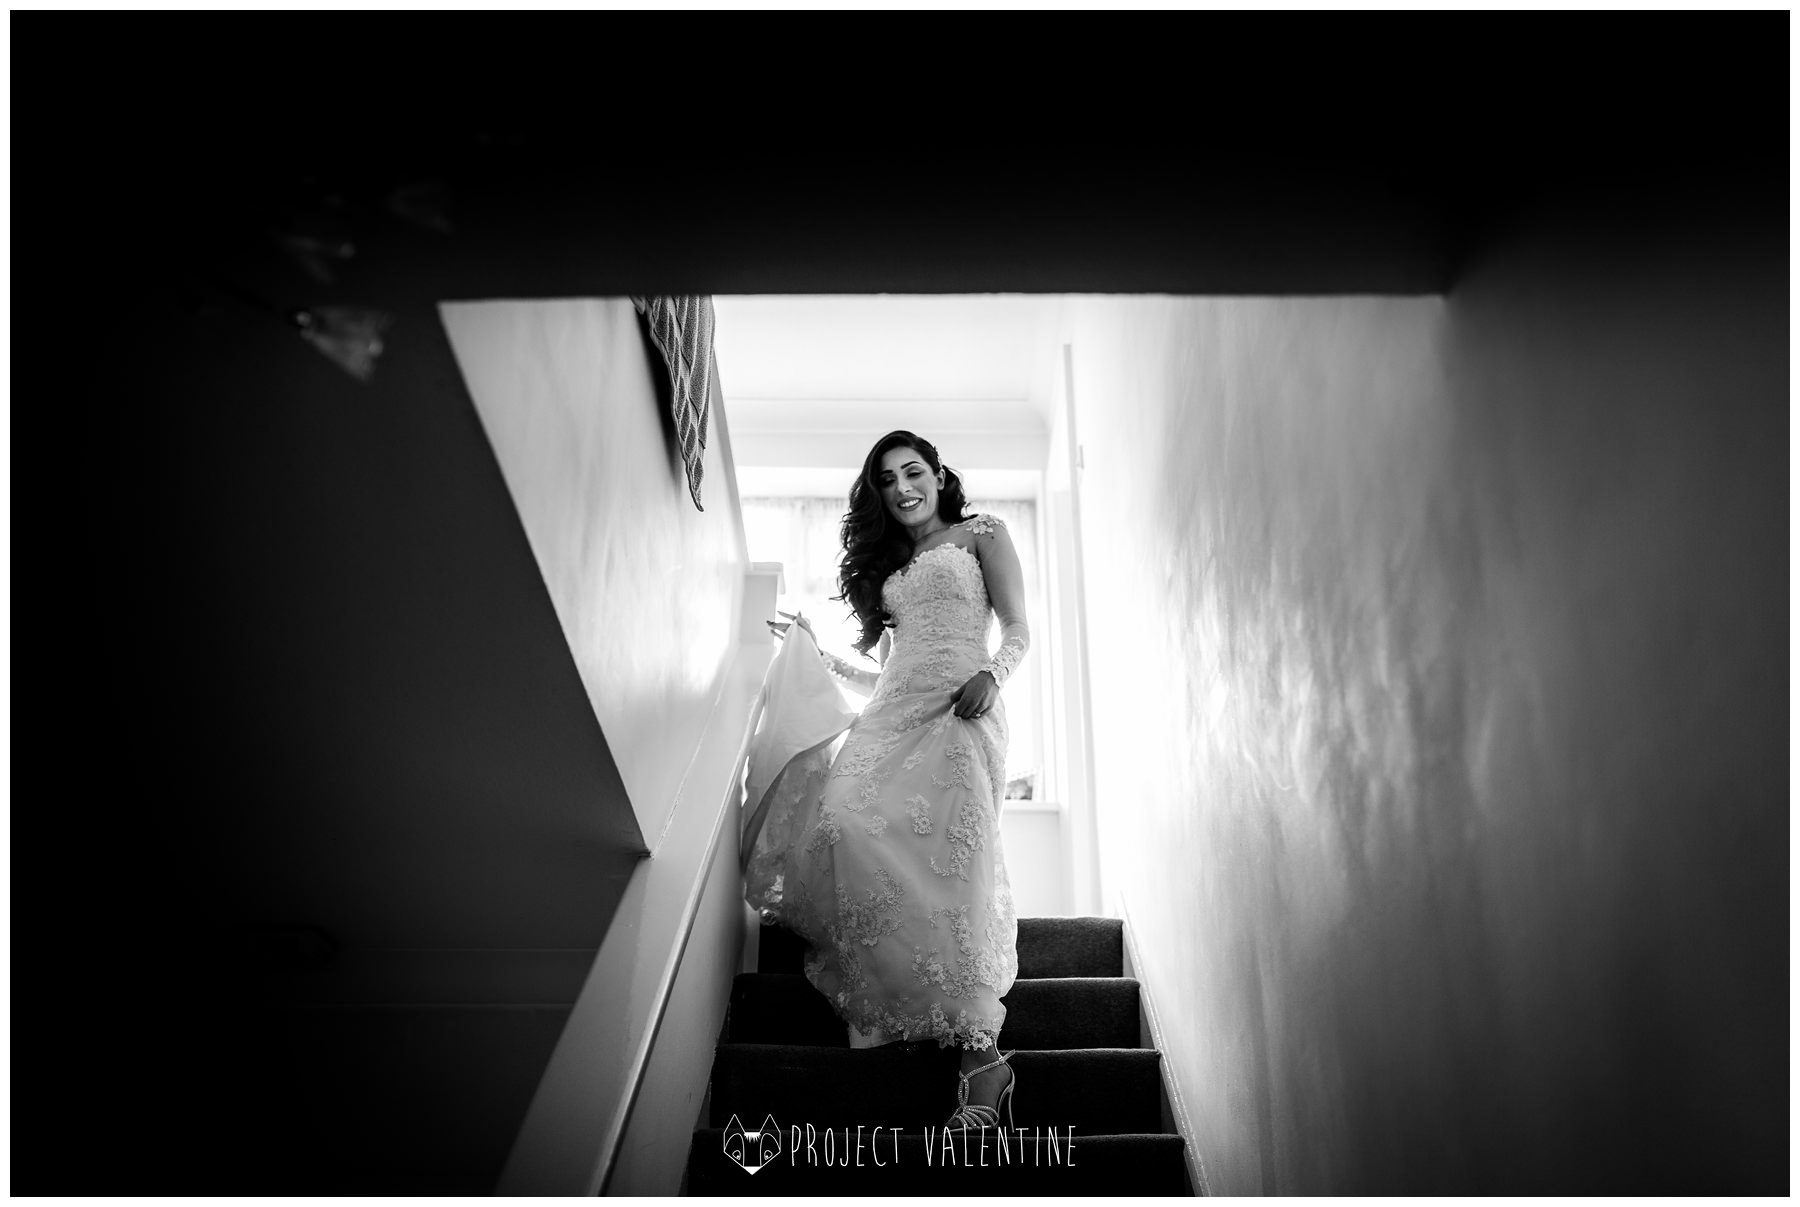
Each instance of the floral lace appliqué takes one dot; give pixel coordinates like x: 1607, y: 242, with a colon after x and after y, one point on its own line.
x: 877, y: 914
x: 826, y: 833
x: 975, y: 1030
x: 977, y: 968
x: 870, y: 792
x: 983, y: 524
x: 958, y: 755
x: 966, y: 837
x: 866, y: 753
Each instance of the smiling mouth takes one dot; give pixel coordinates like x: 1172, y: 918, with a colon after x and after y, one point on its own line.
x: 910, y: 504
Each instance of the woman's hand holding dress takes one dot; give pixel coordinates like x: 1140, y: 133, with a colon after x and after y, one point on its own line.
x: 863, y: 680
x: 976, y: 696
x: 781, y: 630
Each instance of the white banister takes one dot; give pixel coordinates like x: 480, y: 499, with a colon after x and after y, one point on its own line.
x: 577, y: 1137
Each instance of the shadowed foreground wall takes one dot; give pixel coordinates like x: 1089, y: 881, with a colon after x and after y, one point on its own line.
x: 351, y: 705
x: 1439, y: 655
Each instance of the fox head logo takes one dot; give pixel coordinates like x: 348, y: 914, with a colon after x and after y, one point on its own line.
x: 753, y: 1150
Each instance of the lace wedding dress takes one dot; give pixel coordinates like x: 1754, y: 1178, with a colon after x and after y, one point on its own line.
x: 887, y: 858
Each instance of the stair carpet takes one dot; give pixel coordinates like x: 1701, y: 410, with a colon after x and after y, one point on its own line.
x: 871, y: 1121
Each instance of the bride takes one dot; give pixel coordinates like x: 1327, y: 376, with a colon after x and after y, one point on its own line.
x: 894, y: 874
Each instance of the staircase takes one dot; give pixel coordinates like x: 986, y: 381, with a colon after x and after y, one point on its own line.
x: 1082, y: 1076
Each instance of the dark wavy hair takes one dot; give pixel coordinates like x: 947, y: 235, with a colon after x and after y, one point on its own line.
x: 875, y: 543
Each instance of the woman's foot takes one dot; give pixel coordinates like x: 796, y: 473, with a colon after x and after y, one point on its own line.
x: 984, y: 1086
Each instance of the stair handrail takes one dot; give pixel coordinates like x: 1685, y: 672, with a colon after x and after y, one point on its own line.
x: 570, y: 1139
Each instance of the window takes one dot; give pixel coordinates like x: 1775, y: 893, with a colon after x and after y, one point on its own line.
x: 803, y: 535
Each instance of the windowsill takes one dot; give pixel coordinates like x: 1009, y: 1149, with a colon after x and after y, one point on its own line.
x: 1030, y: 806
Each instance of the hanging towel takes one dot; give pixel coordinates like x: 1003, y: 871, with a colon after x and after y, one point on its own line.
x: 682, y: 328
x: 803, y: 722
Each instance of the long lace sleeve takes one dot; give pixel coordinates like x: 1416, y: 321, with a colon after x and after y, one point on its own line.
x: 858, y: 678
x: 1006, y: 591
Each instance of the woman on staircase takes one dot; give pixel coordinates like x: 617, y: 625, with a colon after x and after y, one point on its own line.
x: 895, y: 875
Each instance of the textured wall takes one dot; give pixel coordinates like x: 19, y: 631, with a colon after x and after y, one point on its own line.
x: 646, y: 586
x: 1439, y: 706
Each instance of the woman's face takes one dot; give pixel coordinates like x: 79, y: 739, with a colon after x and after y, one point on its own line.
x: 909, y: 488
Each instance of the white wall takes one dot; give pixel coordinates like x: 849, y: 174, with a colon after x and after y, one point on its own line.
x: 1062, y: 651
x: 1032, y: 838
x: 646, y: 586
x: 1438, y: 683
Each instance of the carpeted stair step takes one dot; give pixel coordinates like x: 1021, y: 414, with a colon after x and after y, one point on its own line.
x: 1097, y: 1091
x: 1094, y: 1165
x: 1062, y: 1012
x: 1048, y: 947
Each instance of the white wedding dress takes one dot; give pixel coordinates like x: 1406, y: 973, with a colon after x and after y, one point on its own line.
x: 887, y: 857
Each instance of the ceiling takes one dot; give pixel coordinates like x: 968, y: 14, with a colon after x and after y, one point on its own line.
x: 883, y: 347
x: 811, y: 381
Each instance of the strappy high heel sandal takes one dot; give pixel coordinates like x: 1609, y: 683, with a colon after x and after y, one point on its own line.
x: 984, y: 1116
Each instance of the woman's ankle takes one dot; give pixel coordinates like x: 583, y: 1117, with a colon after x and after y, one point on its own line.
x: 982, y: 1065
